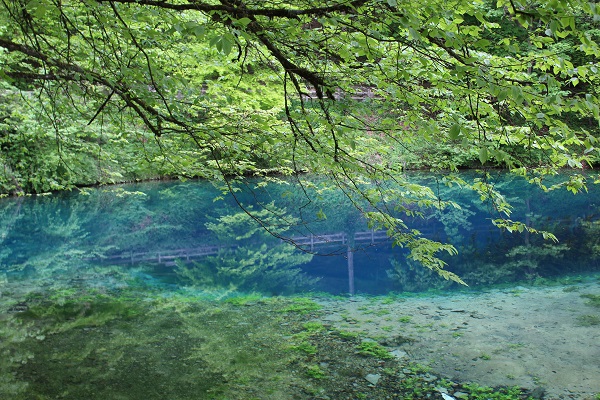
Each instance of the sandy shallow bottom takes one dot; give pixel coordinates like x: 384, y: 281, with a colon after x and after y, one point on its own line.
x: 528, y: 337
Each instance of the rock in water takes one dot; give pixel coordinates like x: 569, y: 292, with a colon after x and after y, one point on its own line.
x: 399, y: 354
x: 538, y: 393
x: 373, y: 378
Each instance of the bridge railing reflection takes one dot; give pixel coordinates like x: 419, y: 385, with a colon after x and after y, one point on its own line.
x: 307, y: 243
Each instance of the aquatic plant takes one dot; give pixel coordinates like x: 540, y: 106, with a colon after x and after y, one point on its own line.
x: 304, y: 347
x: 382, y: 312
x: 313, y: 326
x: 374, y: 349
x: 242, y: 300
x: 593, y: 299
x: 413, y: 387
x: 477, y: 392
x: 416, y: 368
x: 588, y: 320
x: 315, y: 371
x: 302, y: 305
x: 66, y: 310
x: 347, y: 334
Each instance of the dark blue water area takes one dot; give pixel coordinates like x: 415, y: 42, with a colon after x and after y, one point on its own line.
x: 193, y: 235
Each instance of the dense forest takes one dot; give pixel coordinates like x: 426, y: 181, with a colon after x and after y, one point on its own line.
x: 352, y: 91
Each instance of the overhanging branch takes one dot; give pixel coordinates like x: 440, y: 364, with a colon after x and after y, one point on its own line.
x: 242, y: 11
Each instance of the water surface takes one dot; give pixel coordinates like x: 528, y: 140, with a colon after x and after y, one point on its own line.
x: 179, y: 234
x: 170, y: 290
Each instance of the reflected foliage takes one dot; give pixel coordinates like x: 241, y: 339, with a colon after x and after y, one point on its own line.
x: 73, y: 237
x: 409, y: 277
x: 250, y: 258
x: 591, y: 235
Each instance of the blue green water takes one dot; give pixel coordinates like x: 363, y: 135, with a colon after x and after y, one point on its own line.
x: 169, y: 290
x: 188, y: 234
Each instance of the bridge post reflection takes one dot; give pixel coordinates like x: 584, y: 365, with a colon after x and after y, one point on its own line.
x: 350, y: 257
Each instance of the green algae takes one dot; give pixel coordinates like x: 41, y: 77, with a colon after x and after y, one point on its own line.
x: 593, y: 300
x: 72, y: 345
x: 137, y: 344
x: 302, y: 305
x: 374, y: 349
x: 588, y: 320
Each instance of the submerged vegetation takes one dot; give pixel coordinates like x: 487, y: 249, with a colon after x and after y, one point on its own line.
x: 135, y: 342
x: 588, y: 320
x: 374, y: 349
x: 592, y: 299
x: 114, y: 334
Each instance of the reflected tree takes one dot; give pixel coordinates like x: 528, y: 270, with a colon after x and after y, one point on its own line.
x: 408, y: 276
x: 250, y: 258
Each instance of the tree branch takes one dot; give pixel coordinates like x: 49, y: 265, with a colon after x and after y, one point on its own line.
x: 237, y: 11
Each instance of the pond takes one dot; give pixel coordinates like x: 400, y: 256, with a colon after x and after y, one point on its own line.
x: 170, y: 290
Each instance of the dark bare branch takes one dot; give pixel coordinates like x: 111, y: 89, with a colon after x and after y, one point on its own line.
x: 240, y: 10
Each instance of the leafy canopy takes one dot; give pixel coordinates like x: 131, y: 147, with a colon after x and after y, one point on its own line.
x: 348, y: 89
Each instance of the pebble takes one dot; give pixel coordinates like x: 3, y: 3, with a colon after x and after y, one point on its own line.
x: 373, y: 378
x: 538, y: 393
x: 399, y: 354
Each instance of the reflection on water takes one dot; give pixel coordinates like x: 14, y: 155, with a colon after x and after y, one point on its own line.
x: 179, y: 235
x: 156, y: 291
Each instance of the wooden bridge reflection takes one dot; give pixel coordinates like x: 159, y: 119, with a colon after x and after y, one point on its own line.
x: 311, y: 243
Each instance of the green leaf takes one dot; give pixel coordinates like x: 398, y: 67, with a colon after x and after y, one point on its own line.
x: 226, y: 45
x: 243, y: 22
x: 414, y: 34
x: 454, y: 131
x: 482, y: 43
x: 321, y: 215
x: 483, y: 154
x: 502, y: 94
x: 222, y: 43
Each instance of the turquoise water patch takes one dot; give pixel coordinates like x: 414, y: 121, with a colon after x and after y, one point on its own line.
x: 176, y: 234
